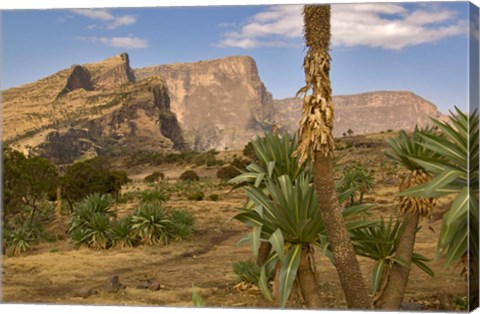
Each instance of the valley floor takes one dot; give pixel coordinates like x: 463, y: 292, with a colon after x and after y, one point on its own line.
x: 56, y: 273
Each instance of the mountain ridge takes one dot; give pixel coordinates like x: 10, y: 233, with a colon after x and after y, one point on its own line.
x: 216, y: 104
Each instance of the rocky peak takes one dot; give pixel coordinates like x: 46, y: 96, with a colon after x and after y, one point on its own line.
x: 219, y: 103
x: 112, y: 72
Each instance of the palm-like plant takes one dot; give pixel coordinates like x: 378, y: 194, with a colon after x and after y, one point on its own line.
x: 380, y: 242
x: 356, y: 179
x: 316, y: 140
x: 150, y: 224
x: 286, y: 214
x: 121, y: 233
x: 455, y: 171
x: 90, y: 221
x: 403, y: 149
x: 273, y: 159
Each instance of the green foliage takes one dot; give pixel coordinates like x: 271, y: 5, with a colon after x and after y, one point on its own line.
x: 189, y: 175
x: 121, y: 233
x: 213, y: 197
x: 181, y: 224
x: 249, y: 151
x: 380, y: 242
x: 150, y: 224
x: 196, y: 195
x: 153, y: 196
x: 227, y: 172
x: 197, y: 300
x: 286, y: 214
x: 19, y: 240
x: 274, y: 155
x: 247, y: 271
x: 453, y: 161
x: 91, y: 176
x: 90, y: 222
x: 154, y: 177
x: 27, y: 181
x: 403, y: 149
x: 356, y: 180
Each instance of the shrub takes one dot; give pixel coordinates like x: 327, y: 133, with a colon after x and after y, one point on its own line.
x: 153, y: 196
x: 27, y: 181
x: 189, y: 175
x: 90, y: 222
x: 18, y: 241
x: 181, y: 223
x: 213, y: 197
x: 154, y: 177
x: 150, y: 224
x: 228, y: 172
x: 239, y: 163
x: 248, y: 271
x: 91, y: 176
x: 121, y: 233
x: 196, y: 196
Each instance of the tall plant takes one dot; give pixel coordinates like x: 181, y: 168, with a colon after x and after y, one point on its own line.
x: 316, y: 140
x: 401, y: 150
x: 286, y: 214
x: 455, y: 172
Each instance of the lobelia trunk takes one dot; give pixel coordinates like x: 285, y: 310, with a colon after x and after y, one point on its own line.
x: 392, y: 296
x: 306, y: 278
x: 346, y: 263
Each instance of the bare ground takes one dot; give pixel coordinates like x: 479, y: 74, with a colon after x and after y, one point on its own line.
x: 54, y: 273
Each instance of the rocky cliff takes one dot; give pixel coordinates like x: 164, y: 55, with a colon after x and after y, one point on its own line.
x: 97, y: 108
x: 219, y: 103
x: 366, y: 113
x: 109, y: 108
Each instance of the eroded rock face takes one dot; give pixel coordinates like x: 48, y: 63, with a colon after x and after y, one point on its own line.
x: 140, y: 125
x: 62, y: 147
x: 113, y: 72
x: 219, y: 103
x: 366, y: 113
x: 145, y: 123
x: 78, y: 78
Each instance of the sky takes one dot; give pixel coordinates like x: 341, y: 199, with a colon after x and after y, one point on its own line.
x: 418, y: 47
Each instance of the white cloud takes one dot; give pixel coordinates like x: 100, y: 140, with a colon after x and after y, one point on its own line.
x: 111, y: 21
x: 120, y: 42
x: 382, y: 25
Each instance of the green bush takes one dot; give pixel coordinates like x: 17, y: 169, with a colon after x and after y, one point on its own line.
x: 248, y: 271
x: 239, y: 163
x: 150, y: 223
x: 189, y: 175
x: 121, y: 233
x: 228, y: 172
x: 153, y: 196
x: 181, y: 224
x: 154, y: 177
x: 90, y: 222
x: 213, y: 197
x: 18, y: 240
x: 91, y: 176
x: 196, y: 196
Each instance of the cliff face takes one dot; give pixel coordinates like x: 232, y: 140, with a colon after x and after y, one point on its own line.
x: 219, y: 103
x: 113, y: 72
x: 366, y: 113
x: 79, y: 78
x: 109, y: 108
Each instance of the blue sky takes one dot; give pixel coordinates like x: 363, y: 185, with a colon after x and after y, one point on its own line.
x: 385, y: 46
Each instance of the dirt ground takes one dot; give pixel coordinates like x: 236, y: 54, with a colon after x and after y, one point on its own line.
x: 56, y: 273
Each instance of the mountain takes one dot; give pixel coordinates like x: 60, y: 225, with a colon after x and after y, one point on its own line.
x: 108, y: 108
x: 98, y: 108
x: 370, y: 112
x: 219, y: 103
